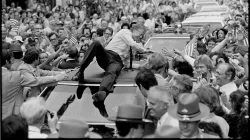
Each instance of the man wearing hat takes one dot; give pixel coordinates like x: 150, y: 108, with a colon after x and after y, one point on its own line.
x: 15, y: 48
x: 189, y: 112
x: 74, y: 129
x: 129, y: 122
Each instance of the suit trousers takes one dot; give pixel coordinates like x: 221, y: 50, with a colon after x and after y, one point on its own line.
x: 108, y: 60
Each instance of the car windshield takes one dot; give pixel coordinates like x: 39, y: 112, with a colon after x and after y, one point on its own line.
x: 213, y: 9
x: 157, y: 44
x: 193, y: 27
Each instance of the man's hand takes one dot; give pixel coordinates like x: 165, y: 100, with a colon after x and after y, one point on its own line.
x: 178, y: 52
x: 64, y: 56
x: 168, y: 52
x: 62, y: 76
x: 239, y: 57
x: 52, y: 122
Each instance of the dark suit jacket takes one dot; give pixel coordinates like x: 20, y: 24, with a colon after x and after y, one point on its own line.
x: 68, y: 64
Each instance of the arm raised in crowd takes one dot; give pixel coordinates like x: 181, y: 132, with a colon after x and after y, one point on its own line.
x: 244, y: 61
x: 29, y: 80
x: 221, y: 45
x: 51, y: 57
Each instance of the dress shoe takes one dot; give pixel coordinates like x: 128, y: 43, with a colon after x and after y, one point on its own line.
x: 101, y: 107
x: 99, y: 96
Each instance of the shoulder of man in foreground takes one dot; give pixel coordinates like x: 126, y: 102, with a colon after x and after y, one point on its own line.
x: 207, y: 135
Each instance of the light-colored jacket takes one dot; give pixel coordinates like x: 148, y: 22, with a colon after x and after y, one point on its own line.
x: 43, y: 77
x: 13, y: 83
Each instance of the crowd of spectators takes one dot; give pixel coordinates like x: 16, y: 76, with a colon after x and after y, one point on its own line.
x: 41, y: 45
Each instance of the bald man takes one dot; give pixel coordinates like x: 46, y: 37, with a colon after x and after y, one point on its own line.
x: 159, y: 99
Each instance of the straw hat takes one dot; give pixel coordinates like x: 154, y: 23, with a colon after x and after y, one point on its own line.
x: 74, y: 129
x: 129, y: 113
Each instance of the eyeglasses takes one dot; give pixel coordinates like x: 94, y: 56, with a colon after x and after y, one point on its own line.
x: 108, y: 34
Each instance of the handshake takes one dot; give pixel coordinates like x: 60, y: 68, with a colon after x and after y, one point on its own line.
x: 61, y: 77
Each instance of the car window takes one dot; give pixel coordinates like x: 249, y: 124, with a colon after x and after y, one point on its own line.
x: 157, y: 44
x: 193, y: 27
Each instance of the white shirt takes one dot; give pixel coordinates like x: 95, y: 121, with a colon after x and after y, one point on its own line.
x: 228, y: 88
x: 34, y: 132
x: 167, y: 120
x: 121, y: 42
x: 150, y: 24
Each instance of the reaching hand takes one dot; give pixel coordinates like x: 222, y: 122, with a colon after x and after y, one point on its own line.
x: 64, y: 56
x: 245, y: 60
x: 168, y: 52
x: 177, y: 52
x: 239, y: 57
x: 52, y: 121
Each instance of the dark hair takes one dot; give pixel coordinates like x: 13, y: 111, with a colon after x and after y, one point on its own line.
x: 243, y: 124
x: 183, y: 67
x: 72, y: 52
x: 132, y: 23
x: 72, y: 16
x: 146, y: 78
x: 110, y: 29
x: 99, y: 32
x: 48, y: 15
x: 123, y: 128
x: 17, y: 55
x: 221, y: 29
x: 31, y: 55
x: 223, y: 56
x: 51, y: 34
x: 211, y: 128
x: 6, y: 56
x: 230, y: 70
x: 125, y: 24
x: 92, y: 34
x: 85, y: 29
x: 22, y: 11
x: 14, y: 127
x: 237, y: 97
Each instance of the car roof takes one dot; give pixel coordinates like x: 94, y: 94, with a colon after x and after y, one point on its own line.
x: 212, y: 14
x: 171, y: 35
x: 202, y: 1
x: 204, y: 19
